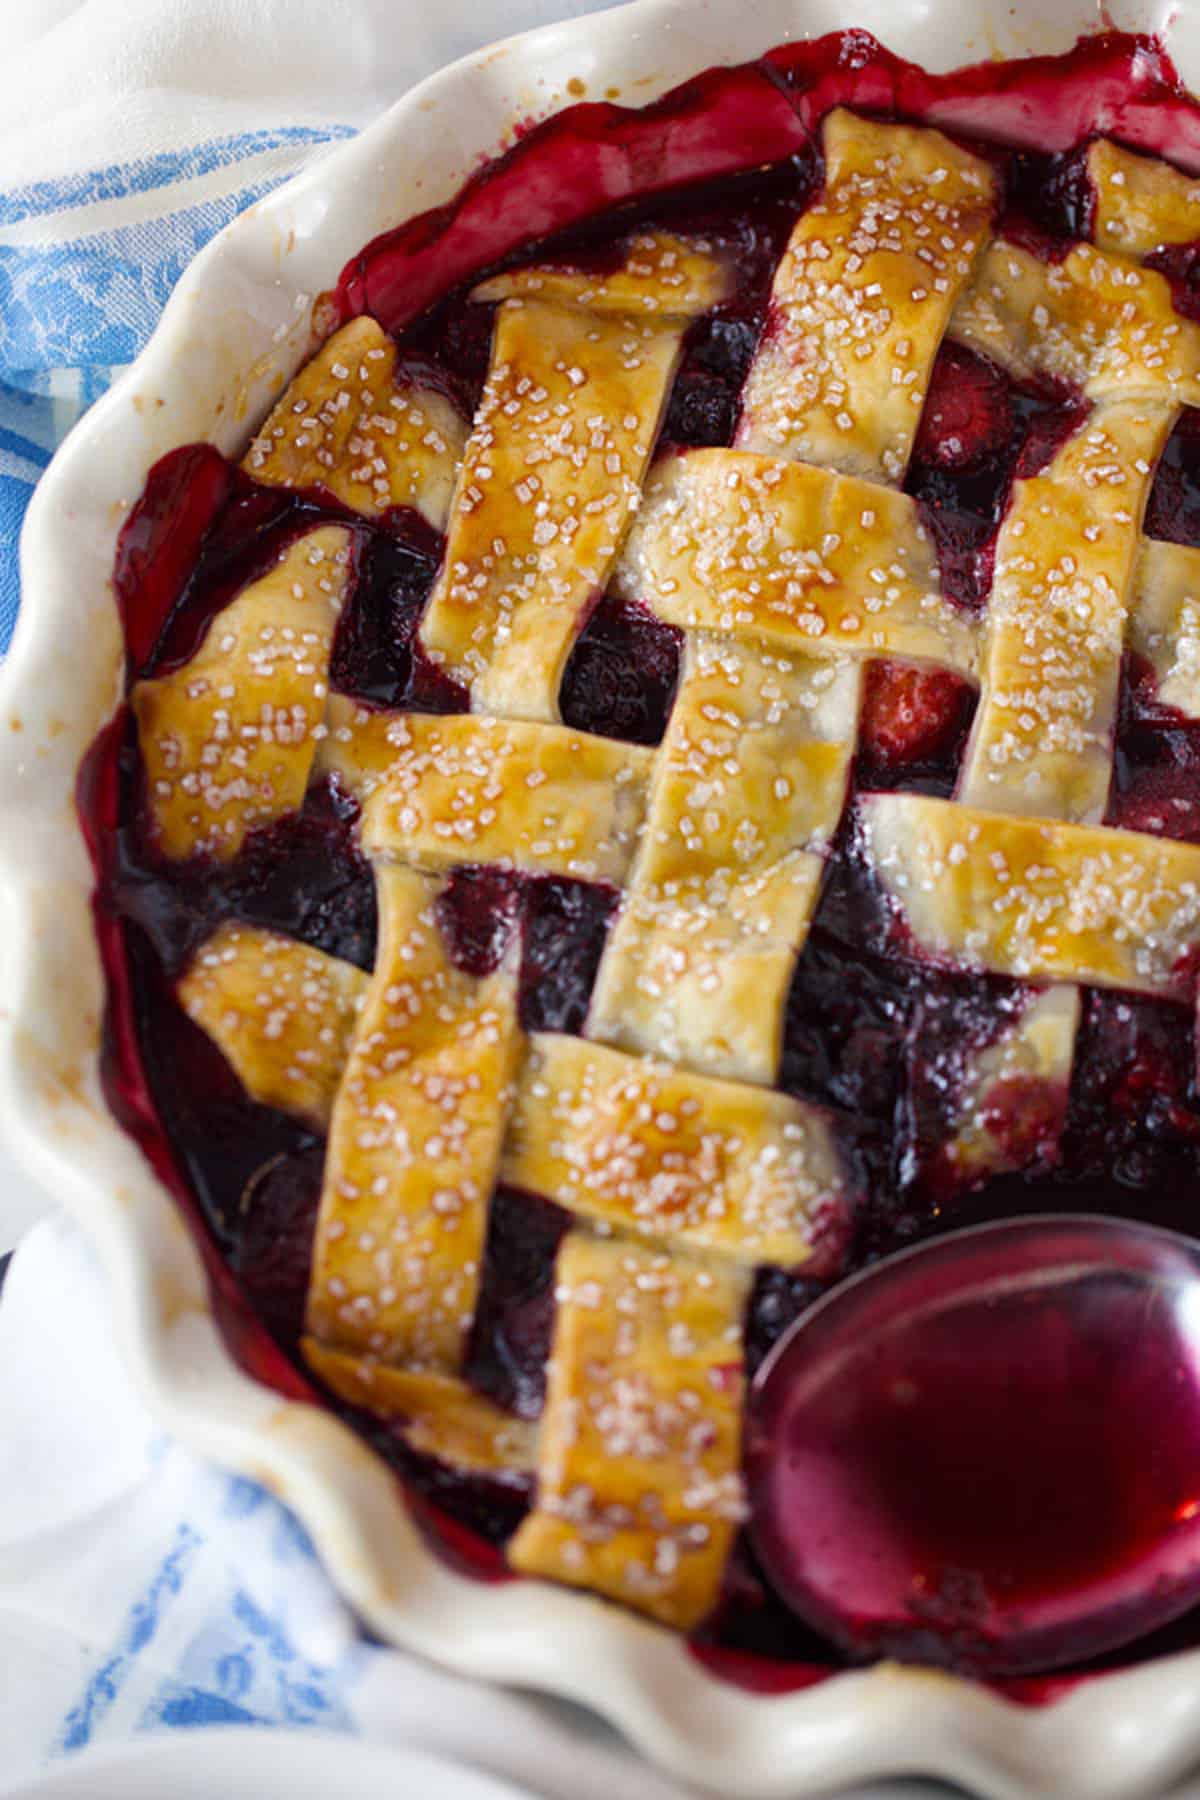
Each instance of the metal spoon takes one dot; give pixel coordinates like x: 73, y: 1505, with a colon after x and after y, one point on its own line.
x: 986, y: 1451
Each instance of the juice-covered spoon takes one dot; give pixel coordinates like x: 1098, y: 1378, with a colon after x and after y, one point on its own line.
x: 986, y: 1451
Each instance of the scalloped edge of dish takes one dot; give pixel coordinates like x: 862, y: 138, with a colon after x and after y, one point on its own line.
x: 235, y: 328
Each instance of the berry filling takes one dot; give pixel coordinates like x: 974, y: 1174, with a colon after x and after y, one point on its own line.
x: 1049, y: 202
x: 272, y: 1256
x: 563, y: 925
x: 1173, y: 509
x: 968, y: 420
x: 622, y: 672
x: 979, y: 432
x: 376, y: 655
x: 913, y: 728
x: 510, y: 1340
x: 890, y: 1044
x: 1180, y: 263
x: 565, y: 928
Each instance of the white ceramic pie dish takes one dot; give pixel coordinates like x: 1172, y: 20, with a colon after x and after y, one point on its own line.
x: 236, y: 327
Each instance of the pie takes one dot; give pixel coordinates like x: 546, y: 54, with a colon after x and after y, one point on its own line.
x: 671, y: 768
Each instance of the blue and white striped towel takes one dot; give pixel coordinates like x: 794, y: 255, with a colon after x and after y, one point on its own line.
x: 86, y: 264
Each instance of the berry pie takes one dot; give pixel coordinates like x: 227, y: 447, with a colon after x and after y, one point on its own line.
x: 670, y: 769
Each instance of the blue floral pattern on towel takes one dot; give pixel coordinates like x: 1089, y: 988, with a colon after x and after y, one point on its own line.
x: 222, y: 1629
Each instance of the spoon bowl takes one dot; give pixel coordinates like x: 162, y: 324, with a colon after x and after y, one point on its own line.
x: 985, y: 1451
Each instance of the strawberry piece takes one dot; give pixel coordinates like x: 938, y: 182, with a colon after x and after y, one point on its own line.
x: 911, y: 715
x: 968, y: 416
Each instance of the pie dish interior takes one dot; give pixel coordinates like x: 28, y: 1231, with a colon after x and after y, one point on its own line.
x: 896, y: 825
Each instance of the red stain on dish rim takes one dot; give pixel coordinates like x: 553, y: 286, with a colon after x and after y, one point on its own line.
x: 588, y: 158
x: 597, y: 154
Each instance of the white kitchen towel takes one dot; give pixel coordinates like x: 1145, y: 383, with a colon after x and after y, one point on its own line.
x: 141, y: 1590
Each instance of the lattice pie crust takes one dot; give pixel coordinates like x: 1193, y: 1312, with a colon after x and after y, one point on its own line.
x: 788, y: 560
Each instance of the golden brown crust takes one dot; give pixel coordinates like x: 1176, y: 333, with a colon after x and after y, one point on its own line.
x: 662, y: 274
x: 1091, y: 320
x: 812, y: 562
x: 414, y: 1144
x: 748, y: 789
x: 360, y: 745
x: 1164, y: 625
x: 1140, y: 202
x: 345, y: 423
x: 1043, y: 737
x: 1013, y: 1103
x: 862, y: 297
x: 639, y: 1483
x: 550, y: 479
x: 282, y: 1013
x: 1038, y: 898
x: 461, y: 789
x: 437, y: 1415
x: 752, y: 1174
x: 228, y: 740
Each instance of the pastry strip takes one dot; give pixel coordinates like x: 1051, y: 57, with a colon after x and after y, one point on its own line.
x: 437, y: 1415
x: 414, y: 1144
x: 1164, y: 626
x: 682, y: 1158
x: 748, y: 789
x: 348, y: 424
x: 1140, y: 202
x: 282, y: 1013
x: 812, y: 562
x: 228, y: 739
x: 537, y: 797
x: 639, y: 1460
x: 1092, y: 321
x: 1043, y: 736
x: 1037, y: 898
x: 862, y: 297
x: 550, y: 479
